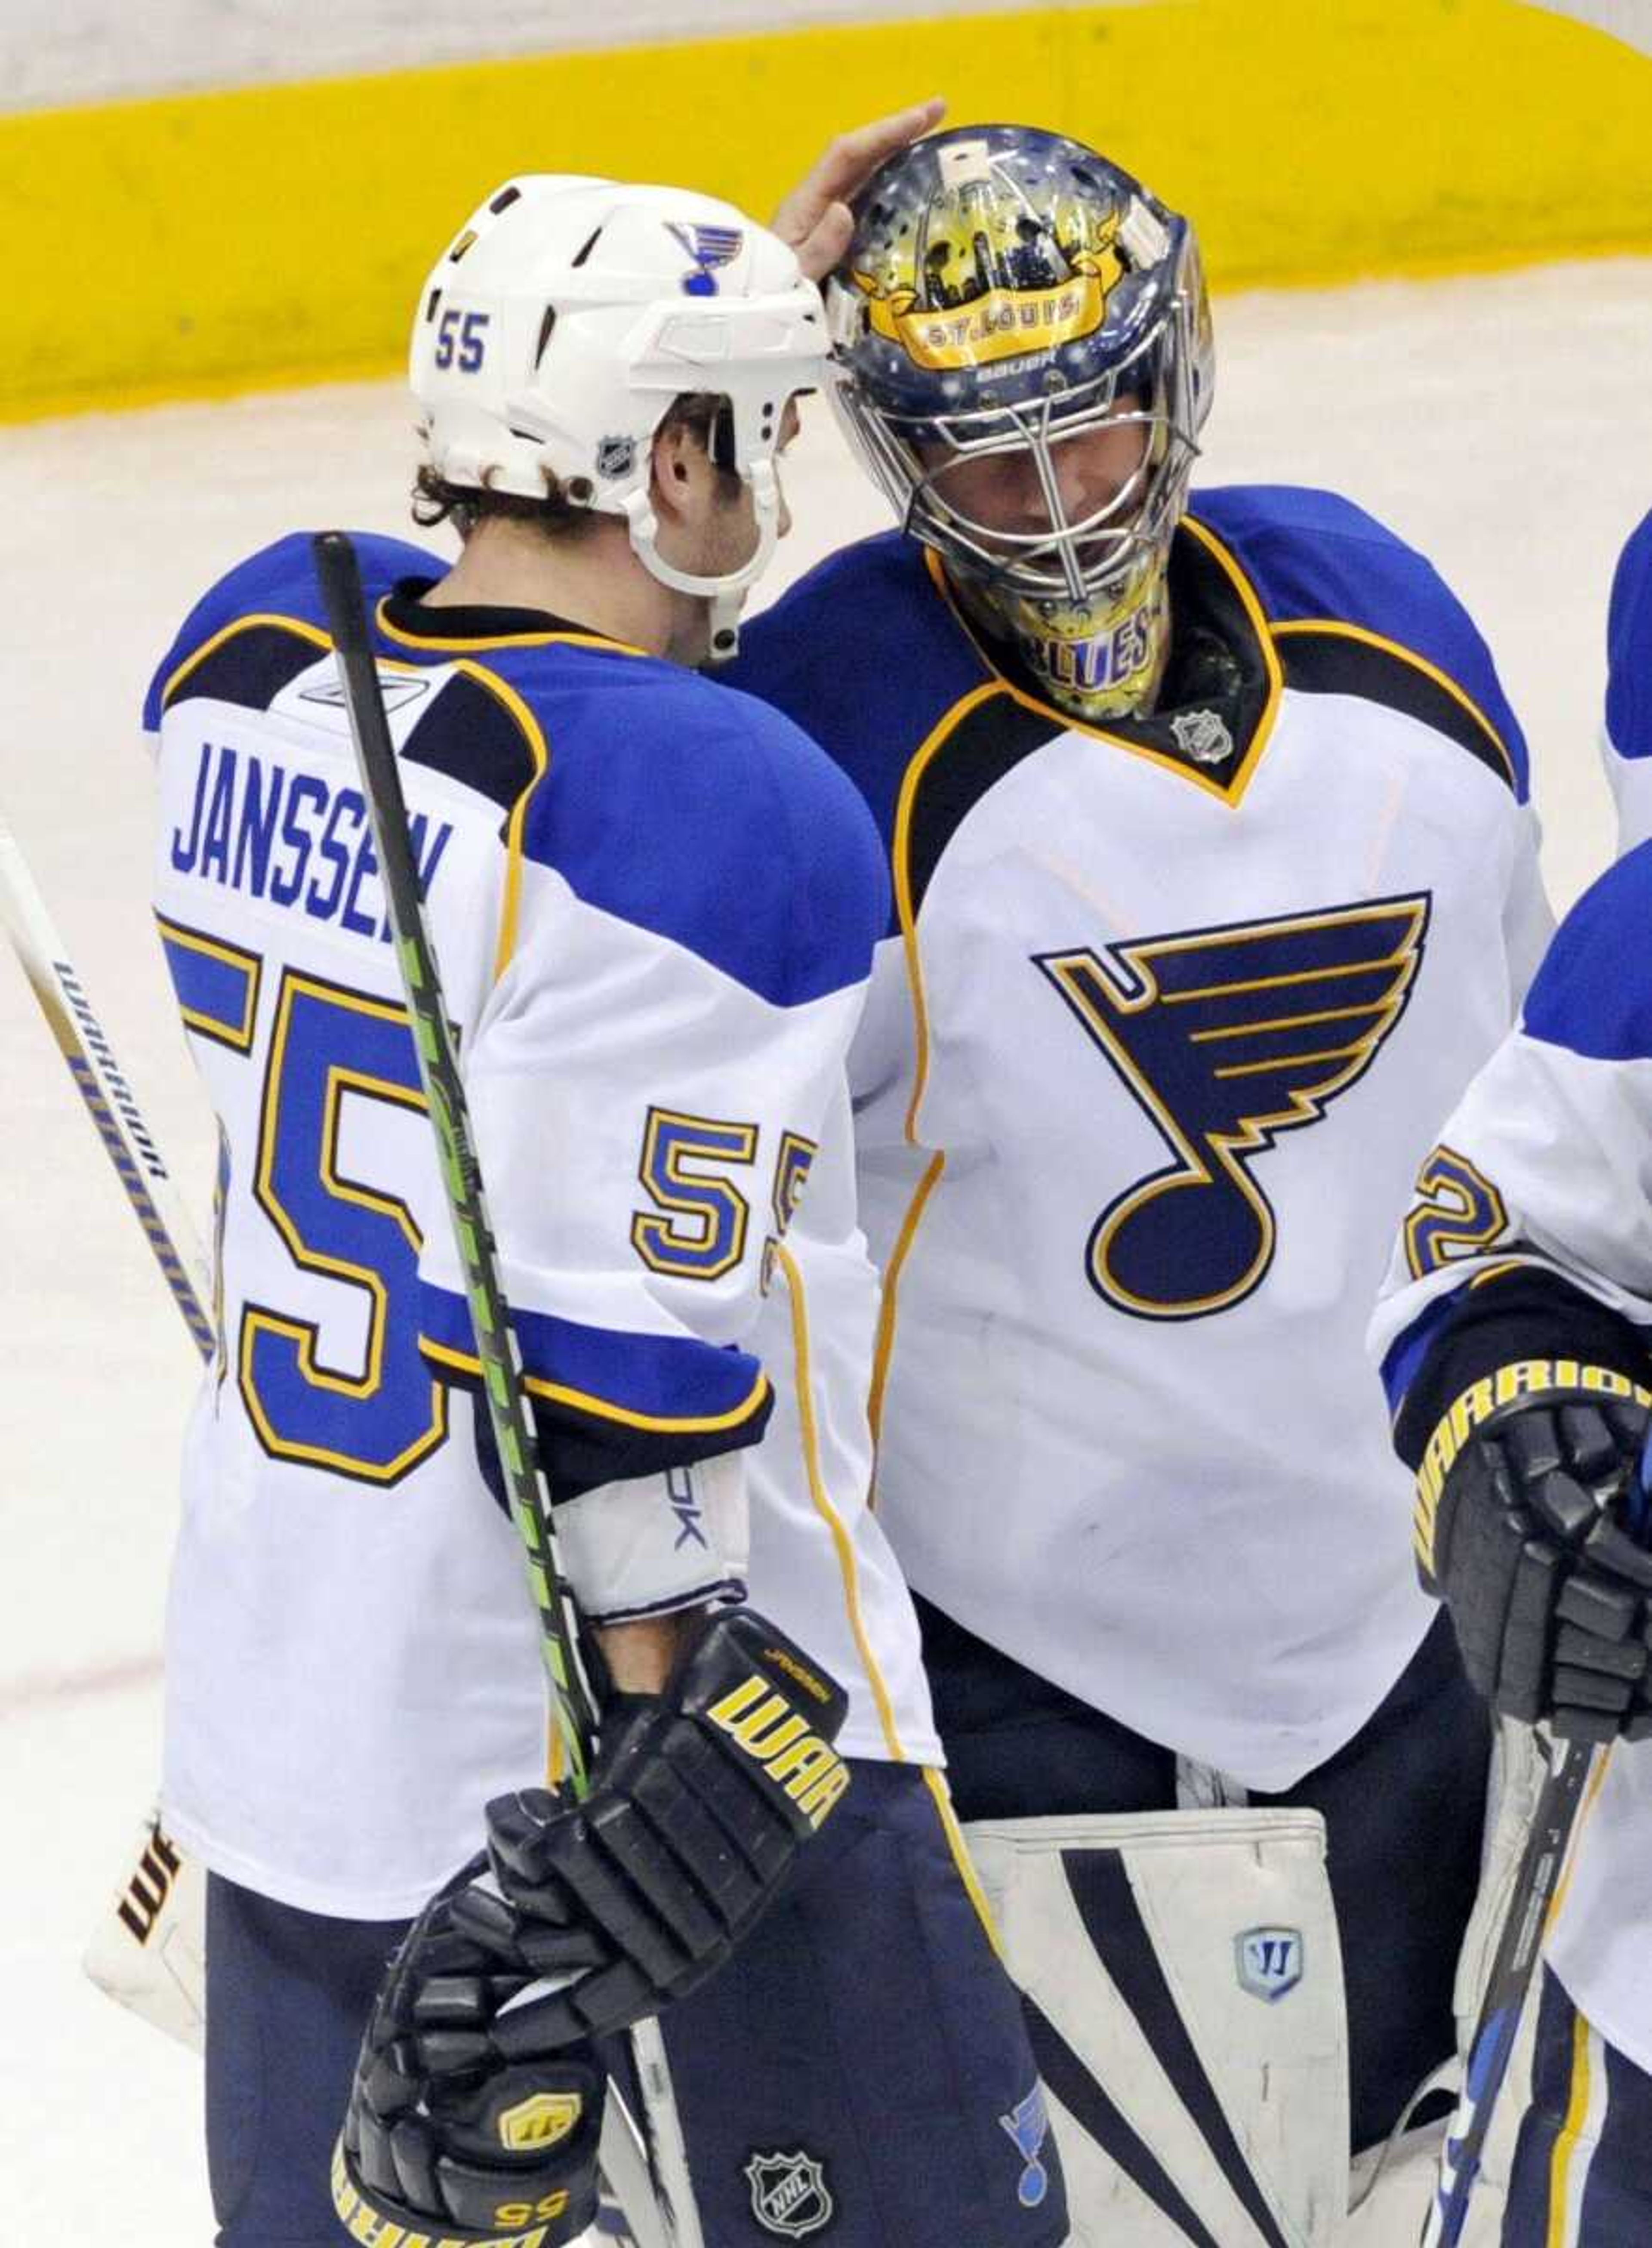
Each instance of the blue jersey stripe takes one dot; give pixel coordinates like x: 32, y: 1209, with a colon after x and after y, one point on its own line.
x: 641, y: 1380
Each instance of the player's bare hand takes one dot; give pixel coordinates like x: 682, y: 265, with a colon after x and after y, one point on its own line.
x: 814, y: 218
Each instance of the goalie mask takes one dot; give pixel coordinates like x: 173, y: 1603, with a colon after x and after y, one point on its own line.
x: 1024, y: 363
x: 556, y: 332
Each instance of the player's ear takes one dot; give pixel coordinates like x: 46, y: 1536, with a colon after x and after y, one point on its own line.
x: 681, y: 471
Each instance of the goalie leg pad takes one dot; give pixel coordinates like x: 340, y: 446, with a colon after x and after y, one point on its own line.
x: 149, y: 1950
x: 1184, y: 1990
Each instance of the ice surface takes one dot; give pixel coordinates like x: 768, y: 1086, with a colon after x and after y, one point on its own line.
x: 1503, y: 424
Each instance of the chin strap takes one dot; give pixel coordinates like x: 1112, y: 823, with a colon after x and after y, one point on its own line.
x: 726, y: 595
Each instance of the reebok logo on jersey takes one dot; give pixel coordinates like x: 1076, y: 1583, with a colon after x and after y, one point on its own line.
x: 1225, y: 1038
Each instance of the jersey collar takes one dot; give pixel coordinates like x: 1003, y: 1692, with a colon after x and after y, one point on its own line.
x: 1211, y: 598
x: 407, y: 618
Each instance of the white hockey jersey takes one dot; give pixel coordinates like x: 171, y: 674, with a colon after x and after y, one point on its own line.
x: 1544, y: 1174
x: 654, y: 905
x: 1138, y: 1095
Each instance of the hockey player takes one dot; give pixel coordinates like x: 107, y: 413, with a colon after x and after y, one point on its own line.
x: 1211, y: 856
x: 1513, y: 1332
x: 654, y: 905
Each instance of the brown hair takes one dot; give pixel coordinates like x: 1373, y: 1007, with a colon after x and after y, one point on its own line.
x: 567, y: 509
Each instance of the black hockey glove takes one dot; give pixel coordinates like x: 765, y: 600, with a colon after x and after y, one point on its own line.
x: 444, y: 2136
x: 1522, y: 1509
x: 704, y: 1796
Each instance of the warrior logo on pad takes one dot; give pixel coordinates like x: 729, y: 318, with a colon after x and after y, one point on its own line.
x: 1226, y: 1037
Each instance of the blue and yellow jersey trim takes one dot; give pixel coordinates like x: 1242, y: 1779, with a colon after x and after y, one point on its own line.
x: 193, y: 671
x: 216, y: 984
x: 1484, y: 741
x: 843, y: 1545
x: 1229, y: 791
x: 672, y: 1385
x: 478, y: 643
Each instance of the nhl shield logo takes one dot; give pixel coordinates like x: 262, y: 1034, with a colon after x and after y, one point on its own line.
x: 789, y: 2197
x: 1203, y: 735
x: 1268, y: 1961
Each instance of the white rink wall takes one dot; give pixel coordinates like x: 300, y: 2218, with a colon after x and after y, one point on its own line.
x: 89, y: 50
x: 84, y: 50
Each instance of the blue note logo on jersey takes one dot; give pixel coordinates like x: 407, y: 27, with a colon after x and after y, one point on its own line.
x: 1226, y: 1037
x: 711, y: 247
x: 1028, y: 2123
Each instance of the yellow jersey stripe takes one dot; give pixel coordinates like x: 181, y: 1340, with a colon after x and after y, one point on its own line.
x: 829, y: 1514
x: 889, y: 1309
x: 936, y: 1782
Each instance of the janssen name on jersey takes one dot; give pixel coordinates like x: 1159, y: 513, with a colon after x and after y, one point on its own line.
x: 1531, y: 1235
x: 655, y: 905
x: 1157, y: 1035
x: 1628, y: 738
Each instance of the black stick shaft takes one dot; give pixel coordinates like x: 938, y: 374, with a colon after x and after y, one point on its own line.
x: 1542, y: 1862
x: 572, y: 1712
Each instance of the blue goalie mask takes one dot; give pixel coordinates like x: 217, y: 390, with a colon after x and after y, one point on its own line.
x: 1023, y: 362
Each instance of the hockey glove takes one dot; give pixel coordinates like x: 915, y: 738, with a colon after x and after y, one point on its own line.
x: 704, y: 1796
x: 1520, y: 1527
x: 445, y: 2136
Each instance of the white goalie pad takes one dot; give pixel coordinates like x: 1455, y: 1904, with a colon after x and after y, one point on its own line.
x: 149, y: 1950
x: 1184, y: 1995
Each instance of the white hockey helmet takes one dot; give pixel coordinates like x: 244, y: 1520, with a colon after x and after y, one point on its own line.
x: 554, y: 336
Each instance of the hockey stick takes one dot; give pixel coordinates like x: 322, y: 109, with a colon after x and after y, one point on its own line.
x: 573, y: 1717
x: 1548, y: 1844
x: 98, y: 1078
x: 146, y: 1952
x: 1531, y: 1907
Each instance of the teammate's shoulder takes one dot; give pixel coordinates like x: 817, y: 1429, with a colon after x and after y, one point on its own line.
x: 865, y: 653
x: 856, y: 578
x: 1629, y: 692
x: 688, y: 727
x: 697, y: 811
x: 830, y: 637
x: 274, y: 591
x: 1352, y: 608
x: 1593, y: 994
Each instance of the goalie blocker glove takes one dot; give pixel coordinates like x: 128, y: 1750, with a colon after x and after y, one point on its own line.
x: 703, y: 1797
x: 446, y: 2139
x: 1526, y: 1494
